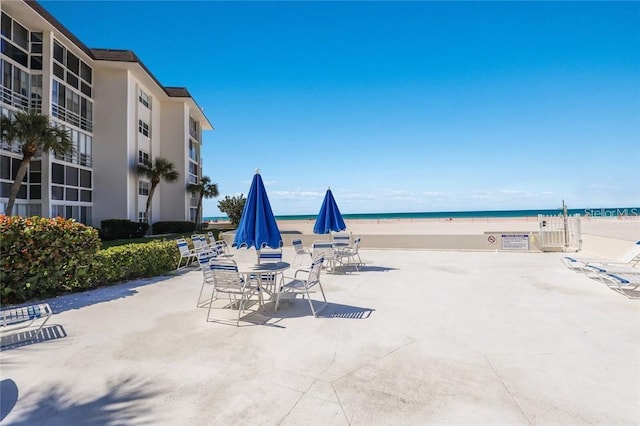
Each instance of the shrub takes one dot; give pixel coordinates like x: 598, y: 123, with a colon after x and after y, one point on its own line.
x: 131, y: 261
x: 43, y: 257
x: 233, y: 207
x: 173, y: 227
x: 115, y: 229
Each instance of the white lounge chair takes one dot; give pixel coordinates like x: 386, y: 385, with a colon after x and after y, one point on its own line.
x: 295, y: 285
x: 16, y: 319
x: 625, y: 284
x: 629, y: 258
x: 227, y: 280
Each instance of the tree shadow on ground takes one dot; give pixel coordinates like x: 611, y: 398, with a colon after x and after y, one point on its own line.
x: 29, y: 337
x: 9, y: 392
x: 120, y: 405
x: 79, y: 300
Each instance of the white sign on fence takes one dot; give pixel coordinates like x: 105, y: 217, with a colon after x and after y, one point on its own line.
x: 515, y: 242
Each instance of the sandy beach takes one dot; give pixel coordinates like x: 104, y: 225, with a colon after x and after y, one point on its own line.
x: 605, y: 237
x: 626, y: 229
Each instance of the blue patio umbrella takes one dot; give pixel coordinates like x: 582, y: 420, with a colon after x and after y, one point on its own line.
x: 257, y: 227
x: 329, y: 219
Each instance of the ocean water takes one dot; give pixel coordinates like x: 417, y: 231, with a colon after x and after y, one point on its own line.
x: 480, y: 214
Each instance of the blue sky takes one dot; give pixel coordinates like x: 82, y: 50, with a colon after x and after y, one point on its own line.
x: 398, y: 106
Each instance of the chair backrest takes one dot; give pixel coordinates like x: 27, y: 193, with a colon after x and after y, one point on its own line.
x: 323, y: 248
x: 343, y: 240
x: 314, y: 271
x: 205, y: 256
x: 356, y: 244
x: 299, y: 248
x: 199, y: 241
x: 221, y: 247
x: 183, y: 246
x: 225, y: 273
x: 269, y: 255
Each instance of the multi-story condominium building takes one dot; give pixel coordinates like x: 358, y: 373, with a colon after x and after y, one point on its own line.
x: 117, y: 114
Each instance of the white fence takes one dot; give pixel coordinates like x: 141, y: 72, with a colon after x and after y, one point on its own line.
x: 560, y: 233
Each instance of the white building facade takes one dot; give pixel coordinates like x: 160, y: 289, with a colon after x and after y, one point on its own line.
x: 117, y: 114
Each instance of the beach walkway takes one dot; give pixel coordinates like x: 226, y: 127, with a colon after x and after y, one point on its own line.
x: 416, y: 337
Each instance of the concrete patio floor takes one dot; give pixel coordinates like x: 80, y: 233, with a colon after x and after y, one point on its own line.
x: 416, y: 337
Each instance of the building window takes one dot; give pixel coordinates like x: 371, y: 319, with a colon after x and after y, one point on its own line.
x: 143, y: 128
x: 142, y: 217
x: 144, y: 99
x: 142, y: 157
x: 143, y: 188
x: 193, y: 151
x: 193, y: 172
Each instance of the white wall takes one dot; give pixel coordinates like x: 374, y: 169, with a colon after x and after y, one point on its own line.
x: 111, y: 162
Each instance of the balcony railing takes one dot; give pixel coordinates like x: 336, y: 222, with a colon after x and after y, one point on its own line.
x: 71, y: 117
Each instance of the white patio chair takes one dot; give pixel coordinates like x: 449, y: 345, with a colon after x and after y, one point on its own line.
x: 199, y: 242
x: 324, y: 249
x: 301, y: 253
x: 267, y: 255
x: 341, y: 240
x: 295, y: 285
x: 187, y: 254
x: 227, y: 280
x: 346, y: 256
x: 221, y: 247
x: 204, y: 257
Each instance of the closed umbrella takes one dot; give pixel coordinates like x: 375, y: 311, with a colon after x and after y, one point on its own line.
x: 257, y: 227
x: 329, y: 219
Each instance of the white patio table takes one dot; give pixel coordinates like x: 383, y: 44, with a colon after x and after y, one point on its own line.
x: 257, y: 271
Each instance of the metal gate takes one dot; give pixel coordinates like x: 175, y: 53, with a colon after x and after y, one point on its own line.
x: 560, y: 233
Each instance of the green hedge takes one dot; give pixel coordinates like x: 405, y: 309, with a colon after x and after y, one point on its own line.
x: 131, y: 261
x: 115, y: 229
x: 43, y: 257
x: 172, y: 227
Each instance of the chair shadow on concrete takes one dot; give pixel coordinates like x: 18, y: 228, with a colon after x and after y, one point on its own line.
x: 30, y: 337
x: 122, y: 404
x: 300, y: 308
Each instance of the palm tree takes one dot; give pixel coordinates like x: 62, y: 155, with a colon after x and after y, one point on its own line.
x: 159, y: 169
x: 204, y: 189
x: 34, y: 133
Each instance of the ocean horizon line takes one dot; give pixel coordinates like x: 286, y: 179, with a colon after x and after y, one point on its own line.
x: 480, y: 214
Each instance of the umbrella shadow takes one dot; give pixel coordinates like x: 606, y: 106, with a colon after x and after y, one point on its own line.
x: 120, y: 405
x: 30, y: 337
